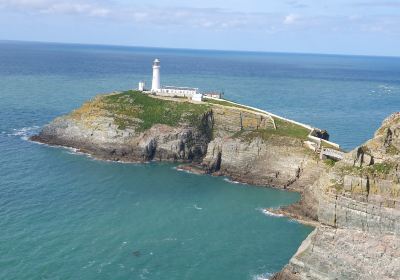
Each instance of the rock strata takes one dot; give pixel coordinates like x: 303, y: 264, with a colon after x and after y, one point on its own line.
x: 224, y: 140
x: 357, y: 203
x: 105, y: 141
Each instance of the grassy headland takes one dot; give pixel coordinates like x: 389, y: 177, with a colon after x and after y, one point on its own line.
x: 140, y: 111
x: 133, y: 108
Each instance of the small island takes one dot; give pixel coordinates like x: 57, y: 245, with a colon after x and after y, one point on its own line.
x: 352, y: 198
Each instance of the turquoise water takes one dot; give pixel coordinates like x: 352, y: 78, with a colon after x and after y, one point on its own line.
x: 66, y: 216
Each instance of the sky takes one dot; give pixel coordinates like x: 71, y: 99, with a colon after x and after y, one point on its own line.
x: 361, y: 27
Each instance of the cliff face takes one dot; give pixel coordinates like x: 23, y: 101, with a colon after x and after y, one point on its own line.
x: 274, y: 162
x: 358, y: 204
x: 224, y: 139
x: 115, y: 127
x: 247, y: 148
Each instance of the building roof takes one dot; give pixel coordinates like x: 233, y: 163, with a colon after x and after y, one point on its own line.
x: 179, y: 88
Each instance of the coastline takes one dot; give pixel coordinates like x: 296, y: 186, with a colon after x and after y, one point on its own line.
x: 337, y: 199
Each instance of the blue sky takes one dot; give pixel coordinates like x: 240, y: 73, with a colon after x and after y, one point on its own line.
x: 365, y: 27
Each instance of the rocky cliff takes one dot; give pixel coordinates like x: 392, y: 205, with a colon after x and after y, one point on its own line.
x: 220, y: 137
x: 357, y: 203
x: 133, y: 127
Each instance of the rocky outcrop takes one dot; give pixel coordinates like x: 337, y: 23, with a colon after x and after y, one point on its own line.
x: 357, y: 202
x: 104, y: 140
x: 105, y: 129
x: 280, y: 161
x: 332, y: 253
x: 241, y: 152
x: 224, y: 140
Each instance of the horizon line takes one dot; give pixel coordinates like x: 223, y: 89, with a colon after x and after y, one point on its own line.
x: 196, y: 49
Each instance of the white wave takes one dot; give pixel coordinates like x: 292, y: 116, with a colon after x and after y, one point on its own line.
x: 233, y: 182
x: 197, y: 207
x: 185, y: 170
x: 264, y: 276
x: 269, y: 213
x: 74, y: 151
x: 25, y: 132
x: 180, y: 169
x: 90, y: 263
x: 386, y: 89
x: 168, y: 239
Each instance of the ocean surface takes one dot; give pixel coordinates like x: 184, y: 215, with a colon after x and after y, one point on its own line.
x: 64, y: 215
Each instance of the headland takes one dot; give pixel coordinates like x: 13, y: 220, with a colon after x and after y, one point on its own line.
x: 352, y: 198
x: 354, y: 203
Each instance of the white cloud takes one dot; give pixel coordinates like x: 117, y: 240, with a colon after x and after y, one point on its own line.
x: 89, y: 8
x: 290, y: 19
x: 206, y: 18
x: 202, y: 18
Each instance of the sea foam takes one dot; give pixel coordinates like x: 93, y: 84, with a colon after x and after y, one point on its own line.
x: 25, y: 132
x: 264, y: 276
x: 269, y: 213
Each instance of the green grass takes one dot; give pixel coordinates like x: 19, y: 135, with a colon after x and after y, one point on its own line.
x: 228, y: 104
x: 133, y: 108
x: 381, y: 168
x: 330, y: 162
x: 289, y: 129
x: 283, y: 128
x: 384, y: 168
x: 392, y: 150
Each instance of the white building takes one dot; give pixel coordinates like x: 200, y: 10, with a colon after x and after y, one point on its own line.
x: 171, y: 91
x: 141, y: 86
x: 177, y: 91
x: 198, y: 97
x: 214, y: 94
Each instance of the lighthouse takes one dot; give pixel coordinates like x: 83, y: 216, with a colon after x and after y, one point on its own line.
x: 155, y: 84
x: 168, y: 91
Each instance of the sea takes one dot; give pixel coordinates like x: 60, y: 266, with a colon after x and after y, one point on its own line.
x: 64, y: 215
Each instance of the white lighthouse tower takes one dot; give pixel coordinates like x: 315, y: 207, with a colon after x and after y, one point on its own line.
x: 155, y: 84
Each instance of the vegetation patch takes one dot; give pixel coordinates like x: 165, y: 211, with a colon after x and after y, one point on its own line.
x: 330, y: 162
x: 228, y: 104
x: 338, y: 187
x: 377, y: 169
x: 139, y: 110
x: 380, y: 168
x: 351, y: 170
x: 283, y: 128
x: 392, y: 150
